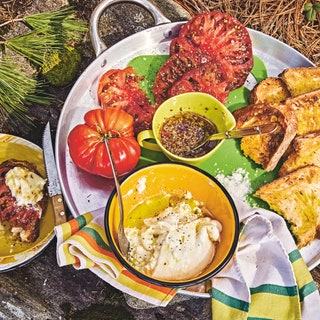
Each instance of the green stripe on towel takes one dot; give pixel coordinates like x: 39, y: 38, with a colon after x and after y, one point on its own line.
x: 294, y: 255
x: 81, y: 221
x: 275, y: 289
x: 95, y: 234
x: 230, y: 301
x: 307, y: 289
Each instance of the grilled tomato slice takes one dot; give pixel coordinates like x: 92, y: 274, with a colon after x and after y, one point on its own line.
x: 120, y: 88
x: 214, y: 46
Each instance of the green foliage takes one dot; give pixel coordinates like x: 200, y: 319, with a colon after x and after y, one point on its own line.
x: 50, y: 33
x: 61, y: 23
x: 62, y: 67
x: 17, y: 91
x: 311, y: 10
x: 35, y: 46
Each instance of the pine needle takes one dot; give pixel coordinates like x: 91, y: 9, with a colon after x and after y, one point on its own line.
x: 17, y: 91
x: 61, y: 22
x: 50, y: 32
x: 35, y: 45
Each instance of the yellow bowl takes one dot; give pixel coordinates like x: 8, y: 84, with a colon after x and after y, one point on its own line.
x: 200, y: 103
x: 176, y: 179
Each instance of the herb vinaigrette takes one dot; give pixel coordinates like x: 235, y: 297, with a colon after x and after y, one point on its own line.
x: 184, y: 131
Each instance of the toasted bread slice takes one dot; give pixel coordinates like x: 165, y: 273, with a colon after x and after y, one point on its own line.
x: 267, y: 149
x: 271, y: 89
x: 301, y: 80
x: 307, y: 109
x: 296, y: 197
x: 305, y: 151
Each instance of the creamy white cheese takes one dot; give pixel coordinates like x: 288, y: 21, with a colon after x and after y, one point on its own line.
x: 25, y: 185
x: 141, y: 185
x: 176, y: 244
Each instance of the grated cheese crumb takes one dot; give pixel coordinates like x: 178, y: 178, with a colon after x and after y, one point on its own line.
x: 237, y: 184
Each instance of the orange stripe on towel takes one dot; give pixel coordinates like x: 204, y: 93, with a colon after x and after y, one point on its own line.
x: 74, y: 226
x: 93, y: 243
x: 134, y: 278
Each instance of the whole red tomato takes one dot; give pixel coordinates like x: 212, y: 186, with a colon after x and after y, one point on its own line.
x: 87, y: 142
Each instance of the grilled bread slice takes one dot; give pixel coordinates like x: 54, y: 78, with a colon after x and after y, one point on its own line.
x: 304, y: 150
x: 307, y: 109
x: 301, y: 80
x: 267, y: 149
x: 290, y: 83
x: 296, y: 197
x: 271, y: 89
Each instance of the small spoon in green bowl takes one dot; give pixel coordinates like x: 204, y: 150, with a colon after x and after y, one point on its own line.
x: 239, y: 133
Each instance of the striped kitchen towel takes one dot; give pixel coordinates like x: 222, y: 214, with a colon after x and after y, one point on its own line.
x: 82, y: 242
x: 267, y: 277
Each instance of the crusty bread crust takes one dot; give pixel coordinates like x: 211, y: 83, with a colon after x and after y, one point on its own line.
x: 305, y: 150
x: 296, y: 197
x: 267, y: 149
x: 307, y: 109
x: 301, y: 80
x: 271, y: 90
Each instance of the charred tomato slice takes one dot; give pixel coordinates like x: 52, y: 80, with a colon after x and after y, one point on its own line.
x: 174, y: 68
x: 209, y: 78
x: 120, y: 88
x: 221, y: 36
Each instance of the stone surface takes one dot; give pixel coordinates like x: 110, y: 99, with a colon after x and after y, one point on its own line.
x: 42, y: 290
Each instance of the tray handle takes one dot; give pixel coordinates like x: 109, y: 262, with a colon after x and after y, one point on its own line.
x: 98, y: 45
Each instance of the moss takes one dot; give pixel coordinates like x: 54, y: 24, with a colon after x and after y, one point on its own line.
x: 62, y: 67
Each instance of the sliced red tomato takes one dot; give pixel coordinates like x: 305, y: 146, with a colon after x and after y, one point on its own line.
x: 209, y: 78
x: 87, y: 142
x: 120, y: 88
x: 224, y: 37
x: 118, y: 78
x: 174, y: 68
x: 215, y: 36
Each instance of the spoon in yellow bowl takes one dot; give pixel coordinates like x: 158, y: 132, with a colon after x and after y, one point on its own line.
x: 123, y: 241
x: 239, y: 133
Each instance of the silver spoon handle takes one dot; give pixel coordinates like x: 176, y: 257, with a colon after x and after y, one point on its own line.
x: 240, y: 133
x: 244, y: 132
x: 119, y: 194
x: 115, y: 176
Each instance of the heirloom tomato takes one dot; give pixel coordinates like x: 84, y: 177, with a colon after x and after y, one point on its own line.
x: 87, y: 142
x: 212, y: 54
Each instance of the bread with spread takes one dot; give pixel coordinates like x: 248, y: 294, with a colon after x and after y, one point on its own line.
x: 23, y: 198
x: 304, y: 150
x: 295, y: 194
x: 267, y: 149
x: 271, y: 89
x: 291, y: 82
x: 296, y: 197
x: 306, y: 106
x: 301, y: 80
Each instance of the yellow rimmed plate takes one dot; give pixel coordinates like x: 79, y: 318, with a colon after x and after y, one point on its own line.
x: 12, y: 253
